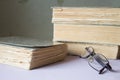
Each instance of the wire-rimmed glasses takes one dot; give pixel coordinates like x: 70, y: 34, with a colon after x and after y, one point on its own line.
x: 97, y: 61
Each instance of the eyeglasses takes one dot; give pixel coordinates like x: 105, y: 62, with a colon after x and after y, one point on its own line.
x: 97, y: 61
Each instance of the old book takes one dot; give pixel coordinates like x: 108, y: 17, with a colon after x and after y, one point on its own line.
x: 109, y: 51
x: 28, y: 56
x: 77, y: 15
x: 87, y: 33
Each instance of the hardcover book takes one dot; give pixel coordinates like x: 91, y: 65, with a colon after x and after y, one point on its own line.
x: 30, y: 53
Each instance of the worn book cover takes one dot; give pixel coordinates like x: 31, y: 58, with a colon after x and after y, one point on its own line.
x: 30, y: 53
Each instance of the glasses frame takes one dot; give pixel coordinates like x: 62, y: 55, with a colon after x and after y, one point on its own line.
x: 99, y: 60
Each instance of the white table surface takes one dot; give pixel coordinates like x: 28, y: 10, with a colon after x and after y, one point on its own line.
x: 72, y: 68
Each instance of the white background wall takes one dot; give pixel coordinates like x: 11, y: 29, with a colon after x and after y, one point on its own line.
x: 32, y: 18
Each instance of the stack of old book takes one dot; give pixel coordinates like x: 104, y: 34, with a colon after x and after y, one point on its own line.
x: 30, y: 53
x: 83, y: 27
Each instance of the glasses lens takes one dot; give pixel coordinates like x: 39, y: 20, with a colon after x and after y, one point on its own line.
x: 97, y: 62
x: 102, y: 58
x: 89, y: 49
